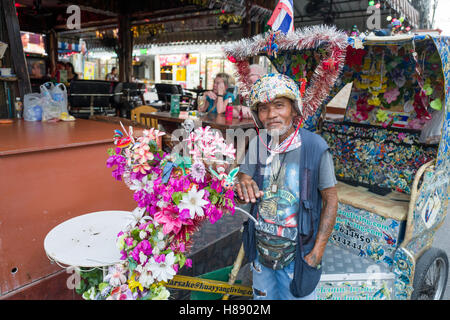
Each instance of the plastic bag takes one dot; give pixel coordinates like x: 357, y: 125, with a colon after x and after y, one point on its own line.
x: 59, y: 94
x: 431, y: 131
x: 46, y: 90
x: 50, y: 104
x: 32, y: 107
x: 54, y: 100
x: 50, y: 109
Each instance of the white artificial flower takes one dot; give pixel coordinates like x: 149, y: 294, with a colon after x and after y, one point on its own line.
x: 161, y: 245
x: 135, y: 185
x: 143, y: 258
x: 137, y: 216
x: 163, y: 271
x: 116, y: 275
x: 143, y: 234
x: 193, y: 201
x: 146, y: 277
x: 162, y: 204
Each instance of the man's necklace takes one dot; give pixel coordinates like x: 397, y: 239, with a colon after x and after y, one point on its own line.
x: 274, y: 185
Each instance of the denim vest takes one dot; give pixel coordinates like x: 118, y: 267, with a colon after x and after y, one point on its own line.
x: 311, y: 150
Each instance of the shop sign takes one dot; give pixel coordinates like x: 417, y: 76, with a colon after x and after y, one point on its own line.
x: 174, y: 60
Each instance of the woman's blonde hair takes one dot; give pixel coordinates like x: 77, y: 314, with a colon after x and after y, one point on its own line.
x: 227, y: 79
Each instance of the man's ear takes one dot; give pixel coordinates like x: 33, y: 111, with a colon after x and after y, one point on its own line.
x: 296, y: 108
x: 255, y: 117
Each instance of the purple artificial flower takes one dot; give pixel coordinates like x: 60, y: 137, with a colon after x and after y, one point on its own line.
x: 160, y: 258
x: 145, y: 247
x: 118, y: 161
x: 185, y: 215
x: 129, y: 241
x: 216, y: 185
x: 198, y: 171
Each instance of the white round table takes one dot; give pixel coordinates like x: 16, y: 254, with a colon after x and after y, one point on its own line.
x: 88, y: 240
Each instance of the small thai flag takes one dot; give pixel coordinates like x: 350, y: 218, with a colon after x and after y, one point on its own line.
x: 282, y: 17
x: 401, y: 121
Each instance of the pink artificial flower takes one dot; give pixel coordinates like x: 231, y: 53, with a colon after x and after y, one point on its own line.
x: 229, y: 151
x: 170, y: 219
x: 142, y: 168
x: 188, y: 263
x: 153, y: 133
x: 391, y: 95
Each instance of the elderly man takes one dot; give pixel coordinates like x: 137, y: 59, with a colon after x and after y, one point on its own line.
x: 290, y: 182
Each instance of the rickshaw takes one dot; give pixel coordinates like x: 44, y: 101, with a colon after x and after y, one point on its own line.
x: 391, y: 152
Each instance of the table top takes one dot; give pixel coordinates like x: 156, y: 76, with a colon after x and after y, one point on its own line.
x: 88, y: 240
x: 31, y: 136
x: 217, y: 121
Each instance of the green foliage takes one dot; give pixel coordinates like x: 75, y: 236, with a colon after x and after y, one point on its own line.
x: 176, y: 197
x: 89, y: 279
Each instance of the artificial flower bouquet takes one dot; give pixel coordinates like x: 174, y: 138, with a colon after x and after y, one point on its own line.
x: 175, y: 195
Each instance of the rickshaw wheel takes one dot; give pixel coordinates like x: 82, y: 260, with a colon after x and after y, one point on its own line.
x: 431, y: 275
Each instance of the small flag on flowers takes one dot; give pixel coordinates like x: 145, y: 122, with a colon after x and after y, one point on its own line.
x: 282, y: 17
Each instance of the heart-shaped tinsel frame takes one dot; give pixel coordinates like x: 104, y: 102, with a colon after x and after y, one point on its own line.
x: 325, y: 75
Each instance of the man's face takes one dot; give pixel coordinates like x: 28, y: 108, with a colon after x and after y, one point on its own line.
x: 277, y: 116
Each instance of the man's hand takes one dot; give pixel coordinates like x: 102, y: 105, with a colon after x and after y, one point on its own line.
x: 312, y: 259
x: 247, y: 189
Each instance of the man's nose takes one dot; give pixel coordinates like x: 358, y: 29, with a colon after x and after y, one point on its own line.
x: 272, y: 113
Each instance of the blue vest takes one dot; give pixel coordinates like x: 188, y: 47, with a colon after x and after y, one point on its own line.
x: 311, y: 150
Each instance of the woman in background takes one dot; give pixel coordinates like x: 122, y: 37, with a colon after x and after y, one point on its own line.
x: 71, y: 74
x: 215, y: 101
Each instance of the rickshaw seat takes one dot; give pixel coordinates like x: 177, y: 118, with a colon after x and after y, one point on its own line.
x: 393, y: 205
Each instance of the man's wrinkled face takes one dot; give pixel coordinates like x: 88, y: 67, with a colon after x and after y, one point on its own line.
x: 277, y: 116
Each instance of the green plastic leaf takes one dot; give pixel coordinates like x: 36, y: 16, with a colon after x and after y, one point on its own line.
x: 180, y: 259
x: 89, y: 294
x: 436, y: 104
x: 213, y: 198
x: 102, y: 286
x: 132, y: 264
x: 110, y: 152
x: 176, y: 197
x: 428, y: 89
